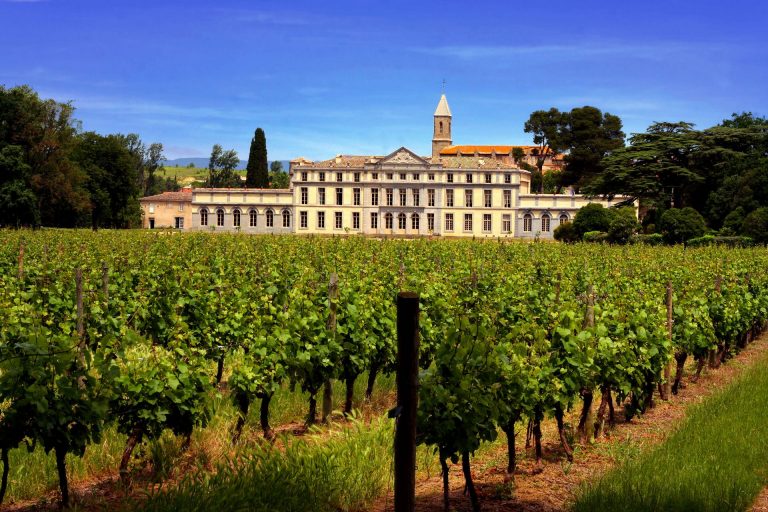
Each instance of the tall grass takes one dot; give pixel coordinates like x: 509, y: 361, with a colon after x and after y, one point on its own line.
x: 716, y: 461
x: 347, y: 472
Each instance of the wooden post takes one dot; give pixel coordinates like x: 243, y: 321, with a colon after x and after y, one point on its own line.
x: 667, y: 387
x: 713, y: 362
x: 589, y: 316
x: 407, y: 400
x: 333, y: 296
x: 105, y: 281
x: 80, y: 312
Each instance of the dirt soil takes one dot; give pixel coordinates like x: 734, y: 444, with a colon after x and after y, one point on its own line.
x: 555, y: 487
x: 552, y: 488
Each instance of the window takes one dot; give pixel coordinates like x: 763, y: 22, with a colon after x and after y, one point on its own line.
x: 527, y: 223
x: 449, y: 197
x: 374, y: 176
x: 270, y: 219
x: 388, y: 221
x: 563, y: 218
x: 469, y: 178
x: 431, y: 176
x: 355, y: 220
x: 402, y: 176
x: 356, y: 196
x: 236, y: 217
x: 415, y: 221
x: 389, y: 175
x: 304, y: 195
x: 487, y: 198
x: 545, y: 223
x: 402, y: 197
x: 303, y: 175
x: 303, y: 220
x: 431, y: 197
x: 507, y: 199
x: 449, y: 177
x: 321, y: 220
x: 181, y: 207
x: 389, y: 197
x: 338, y: 220
x: 416, y: 198
x: 401, y: 221
x: 252, y: 218
x: 357, y: 177
x: 179, y: 222
x: 467, y: 222
x: 151, y: 208
x: 339, y: 176
x: 507, y: 178
x: 220, y: 217
x: 415, y: 176
x: 431, y: 221
x: 487, y: 222
x: 374, y: 220
x: 487, y: 178
x: 449, y: 222
x: 468, y: 198
x: 321, y: 176
x: 321, y: 195
x: 203, y: 217
x: 286, y: 219
x: 506, y: 223
x: 374, y: 197
x: 339, y: 196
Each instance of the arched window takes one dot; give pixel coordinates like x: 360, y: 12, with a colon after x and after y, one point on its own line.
x: 401, y: 221
x: 270, y: 219
x: 204, y: 217
x: 286, y: 219
x: 236, y: 217
x: 441, y: 127
x: 220, y: 217
x: 527, y: 222
x: 545, y: 223
x: 563, y: 218
x: 388, y: 221
x: 415, y: 221
x: 252, y: 216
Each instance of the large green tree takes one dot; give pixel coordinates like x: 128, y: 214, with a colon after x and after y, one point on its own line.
x: 278, y: 178
x: 257, y: 173
x: 547, y: 127
x: 221, y: 168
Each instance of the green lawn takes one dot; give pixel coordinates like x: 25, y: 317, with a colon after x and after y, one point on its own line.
x: 716, y: 461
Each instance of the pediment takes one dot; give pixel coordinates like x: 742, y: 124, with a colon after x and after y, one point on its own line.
x: 403, y: 156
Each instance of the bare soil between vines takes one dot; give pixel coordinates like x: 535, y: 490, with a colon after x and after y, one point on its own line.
x: 552, y: 489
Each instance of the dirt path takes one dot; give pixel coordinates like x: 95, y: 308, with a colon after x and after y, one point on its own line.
x: 554, y: 488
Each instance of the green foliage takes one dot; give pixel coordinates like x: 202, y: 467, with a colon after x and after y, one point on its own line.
x: 755, y: 225
x: 649, y: 239
x: 678, y: 225
x: 595, y: 236
x: 257, y: 172
x: 623, y: 225
x: 221, y: 169
x: 567, y: 233
x: 592, y: 217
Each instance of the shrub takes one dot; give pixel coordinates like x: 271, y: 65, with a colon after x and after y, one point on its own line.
x: 566, y: 232
x: 755, y: 225
x: 592, y: 217
x: 730, y: 241
x: 623, y: 225
x: 733, y: 222
x: 680, y: 224
x: 595, y: 236
x: 652, y: 239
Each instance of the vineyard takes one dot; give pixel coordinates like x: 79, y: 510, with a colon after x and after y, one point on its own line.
x: 145, y: 333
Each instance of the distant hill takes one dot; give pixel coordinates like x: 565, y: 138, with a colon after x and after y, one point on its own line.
x: 203, y: 163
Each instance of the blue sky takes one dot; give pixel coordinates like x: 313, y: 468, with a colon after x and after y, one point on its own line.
x: 364, y: 77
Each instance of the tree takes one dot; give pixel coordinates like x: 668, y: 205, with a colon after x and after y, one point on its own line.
x: 590, y: 136
x: 257, y: 175
x: 679, y: 225
x: 623, y: 225
x: 278, y: 178
x: 592, y: 217
x: 547, y: 129
x: 221, y: 168
x: 755, y: 225
x: 19, y: 202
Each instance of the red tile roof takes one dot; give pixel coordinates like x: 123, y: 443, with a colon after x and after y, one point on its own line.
x: 173, y: 197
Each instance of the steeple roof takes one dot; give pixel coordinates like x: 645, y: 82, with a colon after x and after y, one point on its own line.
x: 442, y: 107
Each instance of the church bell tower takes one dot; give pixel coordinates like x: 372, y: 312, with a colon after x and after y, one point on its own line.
x: 442, y: 136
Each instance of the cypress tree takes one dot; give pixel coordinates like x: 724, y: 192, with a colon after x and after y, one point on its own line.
x: 257, y: 172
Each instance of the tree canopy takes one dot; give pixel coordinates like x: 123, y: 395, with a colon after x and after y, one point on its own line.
x: 257, y: 173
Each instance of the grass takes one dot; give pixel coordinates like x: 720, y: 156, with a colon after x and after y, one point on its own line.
x: 344, y: 470
x: 716, y: 461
